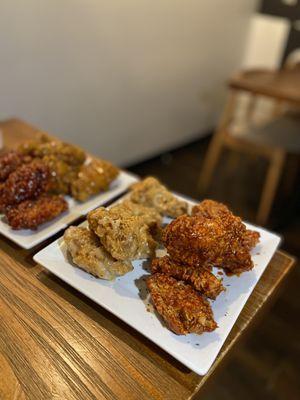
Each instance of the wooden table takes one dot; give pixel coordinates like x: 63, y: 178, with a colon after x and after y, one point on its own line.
x: 57, y: 344
x: 281, y: 84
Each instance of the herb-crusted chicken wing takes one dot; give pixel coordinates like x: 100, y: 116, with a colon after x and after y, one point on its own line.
x: 183, y: 309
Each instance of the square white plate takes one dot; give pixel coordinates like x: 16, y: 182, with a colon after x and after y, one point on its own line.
x: 123, y: 298
x: 28, y: 239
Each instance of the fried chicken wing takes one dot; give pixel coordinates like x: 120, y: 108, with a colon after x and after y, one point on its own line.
x: 183, y: 309
x: 9, y: 162
x: 251, y: 239
x: 151, y: 193
x: 198, y: 241
x: 210, y: 209
x: 202, y: 280
x: 213, y: 209
x: 31, y: 213
x: 66, y: 152
x: 62, y: 174
x: 26, y: 182
x: 150, y: 216
x: 124, y: 235
x: 88, y: 253
x: 64, y: 161
x: 93, y: 178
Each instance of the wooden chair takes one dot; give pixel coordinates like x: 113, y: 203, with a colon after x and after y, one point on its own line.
x: 273, y: 140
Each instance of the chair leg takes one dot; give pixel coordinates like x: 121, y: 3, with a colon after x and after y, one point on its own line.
x: 270, y: 186
x: 210, y: 162
x: 216, y: 144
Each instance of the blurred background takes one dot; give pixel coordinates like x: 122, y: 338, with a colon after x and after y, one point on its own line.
x: 205, y: 95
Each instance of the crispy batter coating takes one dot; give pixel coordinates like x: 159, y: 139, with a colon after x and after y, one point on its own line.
x: 151, y: 193
x: 211, y: 209
x: 64, y: 161
x: 124, y: 235
x: 9, y: 162
x: 66, y: 152
x: 251, y: 239
x: 31, y: 213
x: 197, y: 241
x: 150, y: 216
x: 183, y: 309
x: 200, y: 279
x: 93, y: 178
x: 62, y: 174
x: 26, y: 182
x: 88, y: 253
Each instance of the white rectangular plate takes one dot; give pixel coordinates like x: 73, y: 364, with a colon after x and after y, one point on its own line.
x: 122, y: 298
x: 28, y: 239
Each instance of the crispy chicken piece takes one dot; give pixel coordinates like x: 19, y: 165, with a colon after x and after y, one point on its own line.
x: 93, y: 178
x: 64, y: 161
x: 199, y: 241
x: 88, y: 253
x: 251, y: 239
x: 212, y: 209
x: 183, y: 309
x: 62, y: 174
x: 66, y: 152
x: 9, y: 162
x: 26, y: 182
x: 31, y: 213
x: 151, y: 193
x: 29, y: 146
x: 150, y: 216
x: 200, y: 279
x: 124, y: 235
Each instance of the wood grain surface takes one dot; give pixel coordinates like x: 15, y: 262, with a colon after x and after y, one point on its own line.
x: 282, y: 85
x: 57, y: 344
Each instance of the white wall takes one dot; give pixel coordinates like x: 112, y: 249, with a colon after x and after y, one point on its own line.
x: 123, y: 78
x: 266, y: 40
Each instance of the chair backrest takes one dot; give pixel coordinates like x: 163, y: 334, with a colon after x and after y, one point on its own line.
x: 293, y: 60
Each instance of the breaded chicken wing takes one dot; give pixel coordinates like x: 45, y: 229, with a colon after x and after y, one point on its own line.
x: 183, y: 309
x: 124, y: 235
x: 31, y: 213
x: 9, y: 162
x: 93, y: 178
x: 26, y: 182
x: 151, y: 193
x: 150, y: 216
x: 210, y: 209
x: 66, y: 152
x: 88, y: 253
x: 202, y: 280
x: 198, y: 241
x: 62, y: 174
x: 251, y: 239
x: 213, y: 209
